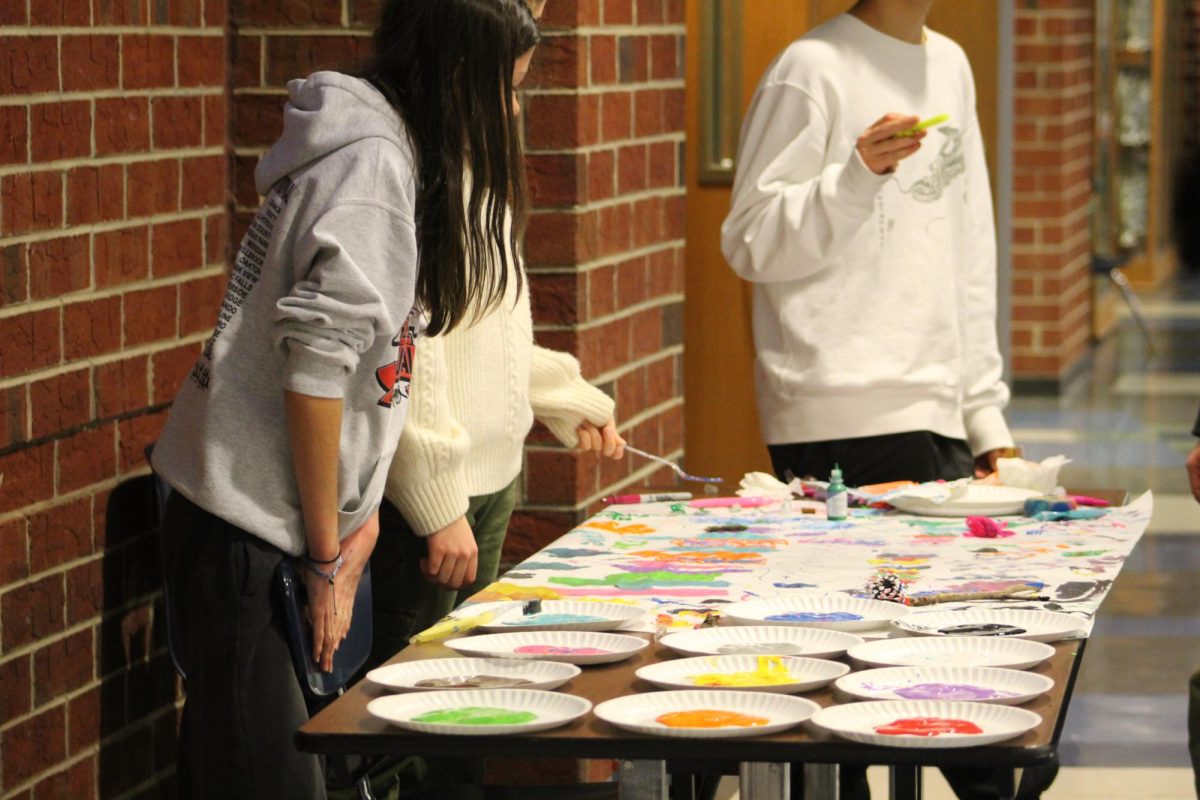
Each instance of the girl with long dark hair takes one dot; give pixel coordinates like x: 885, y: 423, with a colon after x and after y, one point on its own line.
x: 279, y: 442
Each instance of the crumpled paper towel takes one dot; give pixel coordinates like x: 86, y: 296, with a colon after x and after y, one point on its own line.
x: 1040, y: 477
x: 762, y: 484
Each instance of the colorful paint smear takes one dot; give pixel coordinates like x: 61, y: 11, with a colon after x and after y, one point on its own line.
x: 814, y: 616
x: 471, y: 682
x: 944, y: 691
x: 927, y: 726
x: 555, y: 619
x: 710, y: 718
x: 476, y: 715
x: 770, y: 672
x: 982, y: 629
x: 559, y: 650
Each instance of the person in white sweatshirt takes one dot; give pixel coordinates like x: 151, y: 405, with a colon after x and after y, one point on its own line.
x: 872, y: 252
x: 873, y: 255
x: 279, y: 442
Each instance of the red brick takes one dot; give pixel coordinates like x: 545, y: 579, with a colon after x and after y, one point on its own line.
x: 121, y: 12
x: 34, y: 745
x: 95, y: 194
x: 289, y: 57
x: 216, y: 121
x: 553, y: 179
x: 556, y: 63
x: 177, y: 122
x: 77, y: 780
x: 257, y: 120
x: 665, y: 63
x: 30, y: 342
x: 31, y: 201
x: 61, y: 130
x: 85, y: 588
x: 601, y: 291
x: 60, y: 14
x: 14, y: 561
x: 551, y: 121
x: 631, y: 169
x: 28, y: 64
x: 86, y: 458
x: 122, y: 125
x: 31, y: 611
x: 138, y: 433
x: 530, y: 531
x: 16, y: 687
x: 554, y: 298
x: 180, y: 13
x: 647, y: 332
x: 63, y: 666
x: 650, y: 12
x: 601, y: 175
x: 551, y: 476
x: 618, y: 12
x: 60, y: 403
x: 153, y: 187
x: 616, y: 228
x: 204, y: 180
x: 169, y: 368
x: 365, y: 13
x: 92, y: 328
x: 616, y: 116
x: 14, y: 133
x: 150, y: 315
x: 13, y: 14
x: 633, y: 59
x: 176, y: 247
x: 90, y: 63
x: 247, y: 61
x: 245, y: 194
x: 201, y: 60
x: 216, y: 239
x: 603, y: 59
x: 662, y: 162
x: 287, y: 13
x: 121, y: 386
x: 121, y: 256
x: 216, y: 14
x: 59, y: 266
x: 83, y: 728
x: 148, y: 61
x: 631, y: 282
x: 14, y: 274
x: 551, y: 238
x: 199, y: 301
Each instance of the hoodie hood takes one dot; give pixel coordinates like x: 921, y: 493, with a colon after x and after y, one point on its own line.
x: 324, y: 112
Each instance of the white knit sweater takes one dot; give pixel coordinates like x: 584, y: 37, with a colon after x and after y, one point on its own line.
x: 474, y: 394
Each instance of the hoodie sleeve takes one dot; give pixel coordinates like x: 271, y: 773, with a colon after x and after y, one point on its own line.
x: 562, y: 399
x: 790, y: 214
x: 361, y: 257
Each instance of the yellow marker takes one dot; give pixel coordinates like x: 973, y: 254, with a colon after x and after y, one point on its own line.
x: 449, y: 627
x: 922, y: 125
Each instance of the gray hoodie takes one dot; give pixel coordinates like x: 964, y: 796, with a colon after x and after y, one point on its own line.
x: 320, y: 302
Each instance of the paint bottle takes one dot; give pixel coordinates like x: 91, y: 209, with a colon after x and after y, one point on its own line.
x: 836, y: 498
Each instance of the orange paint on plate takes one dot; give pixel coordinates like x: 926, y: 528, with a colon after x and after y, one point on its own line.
x: 710, y: 718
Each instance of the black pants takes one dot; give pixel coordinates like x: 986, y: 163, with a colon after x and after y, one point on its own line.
x: 916, y: 456
x: 243, y: 703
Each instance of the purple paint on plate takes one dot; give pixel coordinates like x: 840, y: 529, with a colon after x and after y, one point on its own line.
x: 814, y: 616
x: 950, y: 691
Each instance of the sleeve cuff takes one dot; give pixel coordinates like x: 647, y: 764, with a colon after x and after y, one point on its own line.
x: 313, y: 374
x: 433, y: 507
x: 580, y: 403
x: 987, y: 430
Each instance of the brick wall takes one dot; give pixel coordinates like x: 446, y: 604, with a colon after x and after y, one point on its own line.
x: 112, y: 245
x: 604, y: 121
x: 1053, y: 134
x: 1190, y: 73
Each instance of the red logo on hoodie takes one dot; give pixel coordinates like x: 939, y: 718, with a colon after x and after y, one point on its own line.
x: 394, y: 378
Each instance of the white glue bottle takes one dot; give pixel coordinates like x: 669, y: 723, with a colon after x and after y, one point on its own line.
x: 836, y: 499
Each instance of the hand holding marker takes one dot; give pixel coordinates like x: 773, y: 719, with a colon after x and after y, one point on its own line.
x: 923, y: 125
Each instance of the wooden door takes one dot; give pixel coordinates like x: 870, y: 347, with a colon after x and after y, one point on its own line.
x: 721, y: 418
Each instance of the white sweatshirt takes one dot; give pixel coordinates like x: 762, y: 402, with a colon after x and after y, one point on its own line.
x: 474, y: 394
x: 874, y: 296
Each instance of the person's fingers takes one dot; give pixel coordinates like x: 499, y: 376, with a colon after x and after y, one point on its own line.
x: 446, y: 573
x: 888, y: 126
x: 472, y: 569
x: 460, y: 572
x: 318, y: 634
x: 588, y: 437
x: 611, y: 440
x: 434, y: 561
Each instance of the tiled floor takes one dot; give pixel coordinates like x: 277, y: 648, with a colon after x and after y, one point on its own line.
x: 1127, y: 424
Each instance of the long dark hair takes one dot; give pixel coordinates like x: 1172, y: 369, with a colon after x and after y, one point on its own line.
x: 446, y: 66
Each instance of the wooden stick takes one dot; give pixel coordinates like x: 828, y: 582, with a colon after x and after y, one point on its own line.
x: 1020, y: 593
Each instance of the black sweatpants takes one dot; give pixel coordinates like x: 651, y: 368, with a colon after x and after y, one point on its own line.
x: 243, y: 702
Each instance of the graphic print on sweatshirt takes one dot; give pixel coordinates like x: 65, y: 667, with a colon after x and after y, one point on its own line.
x: 395, y: 378
x: 247, y: 269
x: 947, y: 165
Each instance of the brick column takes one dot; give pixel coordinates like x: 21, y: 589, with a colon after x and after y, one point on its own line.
x: 604, y: 122
x: 112, y: 245
x: 1052, y: 155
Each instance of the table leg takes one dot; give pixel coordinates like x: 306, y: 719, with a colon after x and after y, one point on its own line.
x: 904, y: 782
x: 642, y: 780
x: 760, y: 780
x: 820, y: 782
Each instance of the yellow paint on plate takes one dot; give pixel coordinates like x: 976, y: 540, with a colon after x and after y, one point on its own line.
x: 770, y: 672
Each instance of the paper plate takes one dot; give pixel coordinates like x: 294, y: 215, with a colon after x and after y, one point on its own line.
x: 566, y: 615
x: 407, y: 676
x: 549, y: 710
x: 951, y: 651
x: 568, y: 647
x: 640, y: 712
x: 806, y: 673
x: 858, y: 722
x: 1039, y: 626
x: 772, y: 640
x: 979, y: 499
x: 833, y: 612
x: 1008, y: 687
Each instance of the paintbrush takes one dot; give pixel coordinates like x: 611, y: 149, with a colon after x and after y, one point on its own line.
x: 1020, y: 593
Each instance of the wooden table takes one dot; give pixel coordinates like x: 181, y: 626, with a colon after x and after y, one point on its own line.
x: 761, y: 761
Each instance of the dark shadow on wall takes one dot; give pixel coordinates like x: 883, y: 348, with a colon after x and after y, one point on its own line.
x: 138, y: 684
